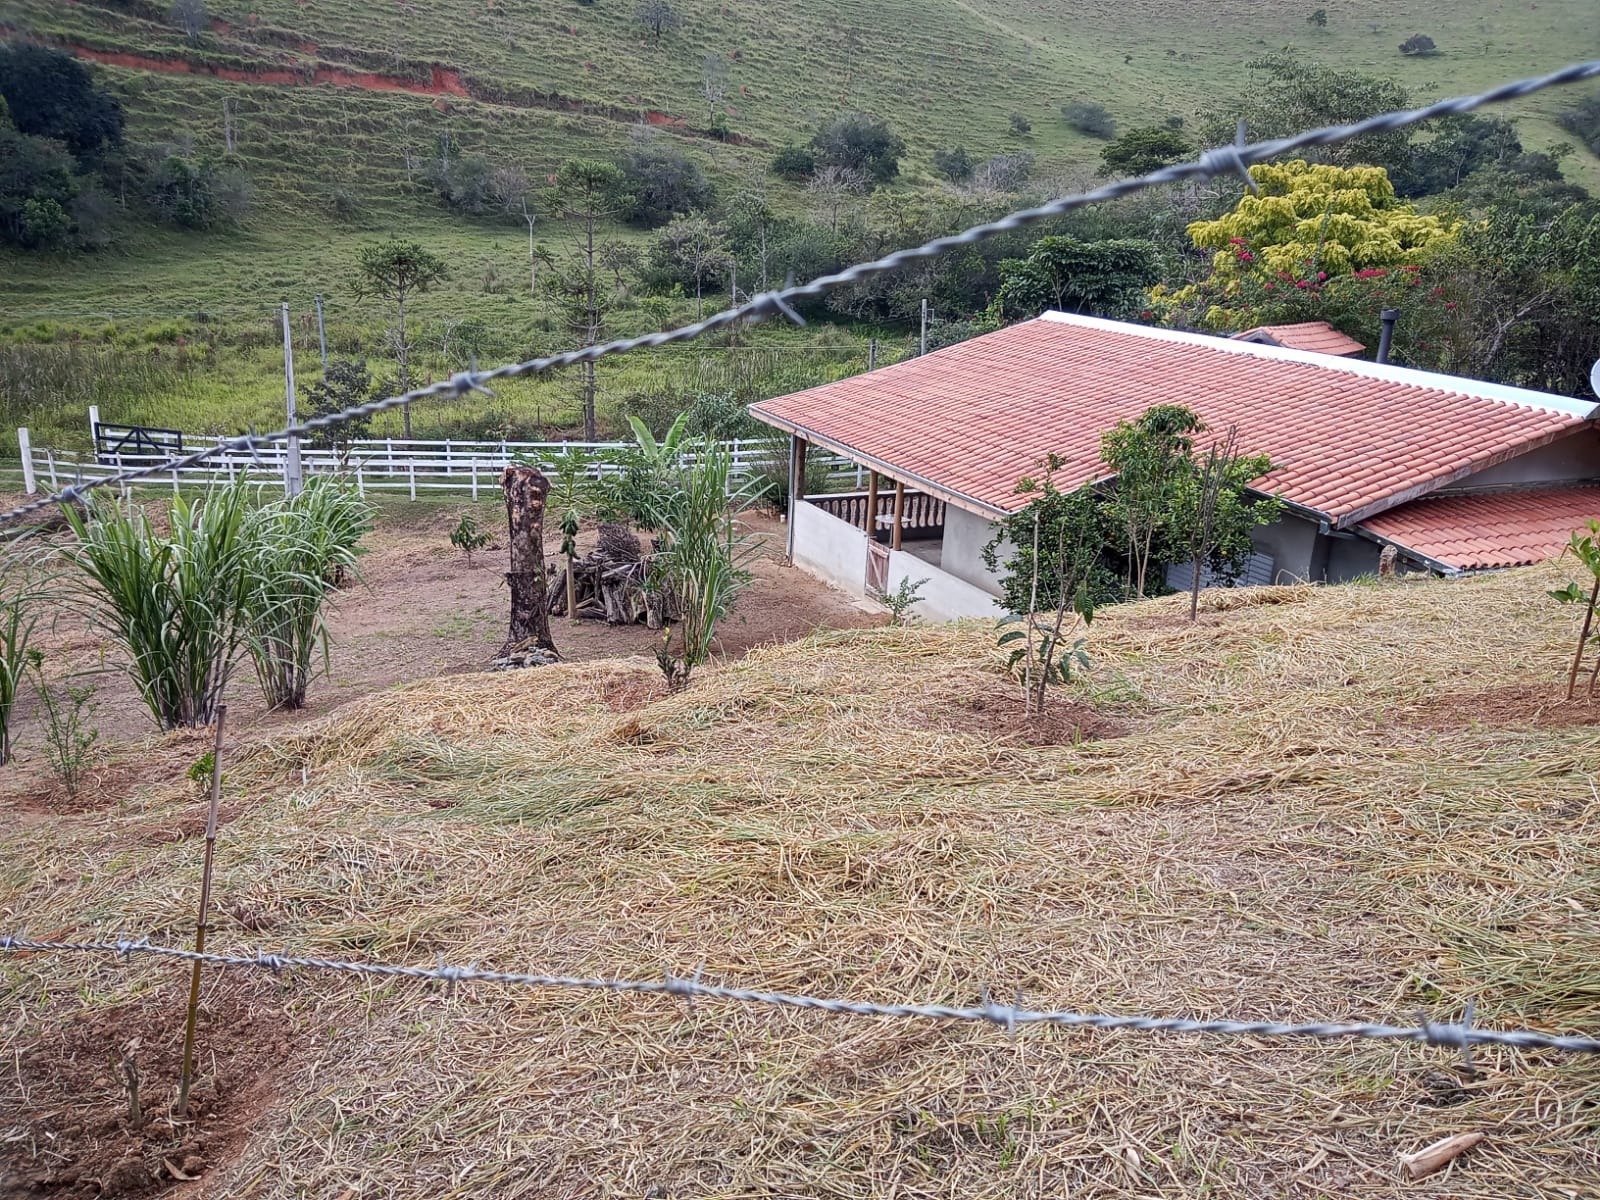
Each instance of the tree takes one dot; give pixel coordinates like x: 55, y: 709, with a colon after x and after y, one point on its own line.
x: 1052, y: 552
x: 658, y: 181
x: 1459, y: 146
x: 955, y: 165
x: 697, y: 247
x: 1090, y: 118
x: 856, y: 142
x: 587, y: 190
x: 714, y: 85
x: 1212, y: 515
x: 1146, y: 149
x: 1318, y: 18
x: 37, y: 188
x: 396, y: 270
x: 189, y: 16
x: 1585, y: 547
x: 345, y: 383
x: 1309, y: 219
x: 1582, y: 120
x: 1149, y: 457
x: 833, y: 187
x: 197, y: 193
x: 52, y: 95
x: 658, y: 16
x: 1105, y: 278
x: 1288, y: 95
x: 1418, y: 45
x: 525, y: 490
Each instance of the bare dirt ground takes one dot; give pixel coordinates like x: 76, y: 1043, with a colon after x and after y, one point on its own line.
x: 420, y: 610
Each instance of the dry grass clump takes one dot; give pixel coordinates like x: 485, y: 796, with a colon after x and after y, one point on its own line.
x: 1277, y: 833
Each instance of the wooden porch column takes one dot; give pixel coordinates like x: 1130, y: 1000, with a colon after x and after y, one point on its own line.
x: 871, y: 523
x: 899, y: 511
x: 797, y: 483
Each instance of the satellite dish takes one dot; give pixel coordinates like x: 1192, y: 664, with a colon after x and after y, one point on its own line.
x: 1594, y: 378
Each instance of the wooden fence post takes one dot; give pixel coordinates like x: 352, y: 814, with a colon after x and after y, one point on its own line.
x: 50, y: 462
x: 30, y: 486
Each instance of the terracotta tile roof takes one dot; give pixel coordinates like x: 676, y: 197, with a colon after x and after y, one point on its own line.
x: 1475, y: 531
x: 1316, y: 336
x: 1349, y: 437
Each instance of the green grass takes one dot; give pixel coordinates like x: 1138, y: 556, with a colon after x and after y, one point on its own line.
x: 576, y: 80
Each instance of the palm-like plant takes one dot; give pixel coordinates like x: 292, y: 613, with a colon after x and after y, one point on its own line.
x: 23, y: 593
x: 176, y: 603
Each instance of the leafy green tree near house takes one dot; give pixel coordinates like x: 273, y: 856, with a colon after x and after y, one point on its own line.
x: 1212, y: 514
x: 1106, y: 278
x: 1151, y: 459
x: 1140, y: 151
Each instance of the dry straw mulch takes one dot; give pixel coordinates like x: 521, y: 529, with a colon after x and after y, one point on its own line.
x: 1278, y: 817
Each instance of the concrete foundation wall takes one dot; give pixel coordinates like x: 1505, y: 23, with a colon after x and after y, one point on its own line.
x: 1291, y: 543
x: 965, y: 536
x: 943, y: 596
x: 830, y: 548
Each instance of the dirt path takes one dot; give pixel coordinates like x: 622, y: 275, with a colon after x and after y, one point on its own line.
x: 420, y: 611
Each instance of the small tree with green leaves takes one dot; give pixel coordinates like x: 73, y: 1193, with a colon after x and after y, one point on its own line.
x: 396, y: 270
x: 1053, y: 547
x: 902, y: 600
x: 1213, y: 515
x: 468, y: 538
x: 69, y: 738
x: 1151, y: 457
x: 345, y: 383
x: 1585, y: 548
x: 589, y: 191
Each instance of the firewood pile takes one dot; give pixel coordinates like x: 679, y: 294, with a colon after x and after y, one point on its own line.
x: 612, y: 583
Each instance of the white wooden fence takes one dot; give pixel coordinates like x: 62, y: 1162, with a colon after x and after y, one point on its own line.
x: 412, y: 467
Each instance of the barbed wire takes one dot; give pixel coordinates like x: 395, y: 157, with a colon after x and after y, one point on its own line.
x: 1462, y: 1035
x: 1234, y: 158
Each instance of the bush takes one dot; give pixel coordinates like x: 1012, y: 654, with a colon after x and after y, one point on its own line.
x: 1418, y: 45
x: 197, y: 193
x: 955, y: 165
x: 1582, y: 120
x: 177, y: 603
x: 1020, y: 124
x: 796, y: 163
x: 660, y: 181
x: 1140, y: 151
x: 858, y: 142
x: 68, y: 737
x: 20, y: 603
x: 298, y: 550
x: 1090, y: 118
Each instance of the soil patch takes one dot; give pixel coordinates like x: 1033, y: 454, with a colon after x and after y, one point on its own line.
x: 994, y: 710
x: 1524, y: 706
x: 68, y: 1129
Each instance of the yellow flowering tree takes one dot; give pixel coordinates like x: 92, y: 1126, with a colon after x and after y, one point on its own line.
x: 1319, y: 217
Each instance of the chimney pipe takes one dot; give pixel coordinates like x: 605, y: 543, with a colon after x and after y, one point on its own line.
x: 1388, y: 316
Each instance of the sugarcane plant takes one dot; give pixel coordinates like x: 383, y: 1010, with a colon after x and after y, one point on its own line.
x: 1585, y: 548
x: 23, y: 596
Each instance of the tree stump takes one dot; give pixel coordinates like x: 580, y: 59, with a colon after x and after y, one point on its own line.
x: 525, y: 490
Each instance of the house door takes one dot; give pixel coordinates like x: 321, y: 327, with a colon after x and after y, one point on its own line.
x: 877, y: 568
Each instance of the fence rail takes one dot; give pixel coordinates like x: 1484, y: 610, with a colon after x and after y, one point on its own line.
x: 410, y: 466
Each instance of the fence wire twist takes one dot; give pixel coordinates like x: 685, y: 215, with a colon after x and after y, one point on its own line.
x: 1462, y: 1035
x: 1235, y: 158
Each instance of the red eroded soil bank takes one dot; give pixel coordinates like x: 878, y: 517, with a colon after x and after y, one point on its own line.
x: 444, y: 81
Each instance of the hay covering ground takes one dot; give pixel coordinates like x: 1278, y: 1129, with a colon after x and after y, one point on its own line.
x: 1360, y: 802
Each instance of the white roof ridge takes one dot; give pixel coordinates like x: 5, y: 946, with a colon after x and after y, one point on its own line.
x: 1522, y: 397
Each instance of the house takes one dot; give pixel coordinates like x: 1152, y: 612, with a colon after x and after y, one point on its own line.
x: 1316, y: 336
x: 1456, y: 474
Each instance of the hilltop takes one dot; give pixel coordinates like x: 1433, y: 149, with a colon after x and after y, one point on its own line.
x: 1336, y: 803
x: 334, y: 104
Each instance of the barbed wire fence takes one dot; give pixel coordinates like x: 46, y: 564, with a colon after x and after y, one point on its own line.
x: 1460, y: 1035
x: 1235, y: 158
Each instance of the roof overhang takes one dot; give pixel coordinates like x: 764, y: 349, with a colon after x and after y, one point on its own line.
x: 899, y: 474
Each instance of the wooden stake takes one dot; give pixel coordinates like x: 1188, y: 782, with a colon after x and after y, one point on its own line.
x: 1443, y: 1152
x: 871, y: 523
x: 899, y: 512
x: 182, y: 1107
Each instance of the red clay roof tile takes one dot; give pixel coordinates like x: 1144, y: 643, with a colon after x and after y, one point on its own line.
x: 1476, y: 531
x: 1317, y: 337
x: 1348, y: 437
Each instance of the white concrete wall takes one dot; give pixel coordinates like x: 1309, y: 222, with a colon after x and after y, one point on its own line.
x: 943, y: 597
x: 830, y: 548
x: 836, y: 551
x: 1291, y: 543
x: 965, y: 536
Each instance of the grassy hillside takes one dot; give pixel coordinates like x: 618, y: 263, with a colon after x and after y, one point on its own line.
x: 1357, y: 802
